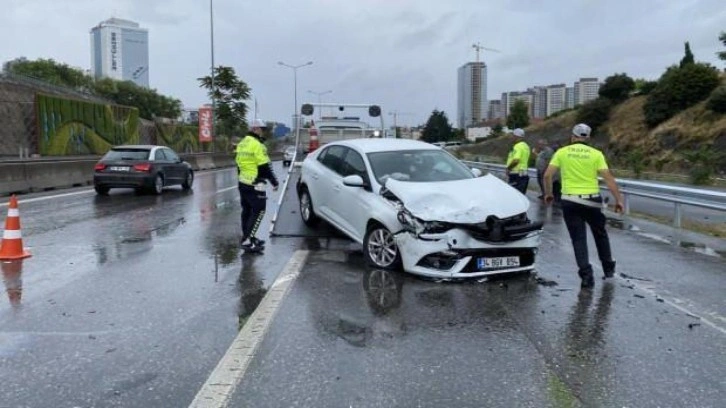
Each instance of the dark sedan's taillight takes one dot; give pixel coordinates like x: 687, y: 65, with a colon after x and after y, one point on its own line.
x: 99, y: 167
x: 145, y: 167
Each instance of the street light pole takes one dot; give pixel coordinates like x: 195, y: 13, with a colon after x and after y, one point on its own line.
x: 320, y: 112
x: 296, y: 113
x: 214, y: 89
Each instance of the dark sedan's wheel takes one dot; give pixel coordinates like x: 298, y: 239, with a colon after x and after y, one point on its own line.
x: 188, y: 181
x: 306, y: 209
x: 158, y: 184
x: 380, y: 249
x: 101, y: 190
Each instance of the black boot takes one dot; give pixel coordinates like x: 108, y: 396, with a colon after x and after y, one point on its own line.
x: 609, y: 268
x: 588, y: 280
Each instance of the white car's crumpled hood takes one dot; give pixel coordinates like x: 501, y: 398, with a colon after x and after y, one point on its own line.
x: 466, y: 201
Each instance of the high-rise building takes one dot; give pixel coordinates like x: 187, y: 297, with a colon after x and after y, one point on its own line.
x: 539, y: 104
x: 569, y: 97
x: 120, y: 50
x: 472, y: 105
x: 495, y: 109
x: 556, y: 98
x: 586, y: 89
x: 512, y: 97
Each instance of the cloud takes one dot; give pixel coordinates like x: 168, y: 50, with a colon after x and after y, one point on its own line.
x: 402, y: 54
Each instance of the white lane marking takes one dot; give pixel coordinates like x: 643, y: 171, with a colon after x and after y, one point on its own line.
x: 33, y: 200
x: 224, y: 190
x: 219, y: 387
x: 672, y: 303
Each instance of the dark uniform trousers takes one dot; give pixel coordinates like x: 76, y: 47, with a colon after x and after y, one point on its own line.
x: 520, y: 182
x: 577, y: 218
x: 253, y: 203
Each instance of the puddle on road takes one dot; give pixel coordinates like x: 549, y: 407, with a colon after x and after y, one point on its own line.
x: 691, y: 246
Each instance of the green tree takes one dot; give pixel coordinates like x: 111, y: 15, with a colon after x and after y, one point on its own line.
x: 688, y: 57
x: 679, y: 88
x: 497, y: 130
x: 617, y: 87
x: 722, y: 38
x: 644, y: 86
x: 717, y: 101
x: 437, y: 128
x: 150, y: 103
x: 595, y: 112
x: 519, y: 115
x: 230, y: 93
x: 51, y: 71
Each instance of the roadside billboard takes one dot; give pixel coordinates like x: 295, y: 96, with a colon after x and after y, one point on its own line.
x: 205, y: 124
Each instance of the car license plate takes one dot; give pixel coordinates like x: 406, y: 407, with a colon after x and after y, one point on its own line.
x: 119, y: 168
x: 498, y: 262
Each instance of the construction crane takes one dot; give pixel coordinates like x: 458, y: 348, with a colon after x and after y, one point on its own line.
x: 478, y: 47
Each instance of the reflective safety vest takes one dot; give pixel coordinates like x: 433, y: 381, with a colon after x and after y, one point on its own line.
x: 519, y: 151
x: 251, y: 154
x: 579, y: 166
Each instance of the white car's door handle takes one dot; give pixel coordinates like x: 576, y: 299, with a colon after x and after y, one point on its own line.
x: 316, y: 176
x: 337, y: 188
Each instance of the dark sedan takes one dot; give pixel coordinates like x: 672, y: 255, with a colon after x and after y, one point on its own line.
x: 144, y: 168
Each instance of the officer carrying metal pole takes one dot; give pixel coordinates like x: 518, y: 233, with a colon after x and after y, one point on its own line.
x: 255, y: 169
x: 579, y: 166
x: 518, y: 162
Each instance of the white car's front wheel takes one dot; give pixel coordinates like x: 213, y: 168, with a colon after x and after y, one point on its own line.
x: 380, y: 249
x: 306, y: 209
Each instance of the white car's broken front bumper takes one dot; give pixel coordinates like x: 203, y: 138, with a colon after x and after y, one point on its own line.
x: 457, y: 252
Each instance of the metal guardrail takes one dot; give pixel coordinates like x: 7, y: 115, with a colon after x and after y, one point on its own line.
x: 677, y: 195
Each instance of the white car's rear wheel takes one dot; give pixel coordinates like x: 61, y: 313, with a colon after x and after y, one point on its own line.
x: 306, y: 209
x: 380, y: 249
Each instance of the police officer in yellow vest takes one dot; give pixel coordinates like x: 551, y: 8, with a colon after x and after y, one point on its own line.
x: 518, y: 162
x: 254, y: 169
x: 582, y: 204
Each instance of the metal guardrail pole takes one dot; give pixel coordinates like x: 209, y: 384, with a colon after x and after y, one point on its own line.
x: 677, y: 216
x: 626, y: 203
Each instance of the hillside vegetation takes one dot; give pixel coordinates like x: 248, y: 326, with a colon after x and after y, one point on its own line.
x: 676, y: 124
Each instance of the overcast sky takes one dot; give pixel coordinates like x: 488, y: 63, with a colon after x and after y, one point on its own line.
x: 401, y: 54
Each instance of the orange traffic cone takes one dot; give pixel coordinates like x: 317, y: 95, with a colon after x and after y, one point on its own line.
x: 314, y: 144
x: 12, y: 272
x: 12, y: 243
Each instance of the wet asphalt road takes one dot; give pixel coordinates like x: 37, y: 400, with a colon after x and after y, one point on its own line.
x: 130, y: 301
x: 347, y: 335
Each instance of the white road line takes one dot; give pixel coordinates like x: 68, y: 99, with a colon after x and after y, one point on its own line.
x: 219, y: 387
x: 33, y: 200
x: 224, y: 190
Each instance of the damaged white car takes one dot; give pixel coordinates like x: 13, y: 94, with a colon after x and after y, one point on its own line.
x: 414, y: 205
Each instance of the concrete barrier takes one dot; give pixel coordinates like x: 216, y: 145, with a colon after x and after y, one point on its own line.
x: 49, y: 175
x: 13, y: 179
x: 45, y: 174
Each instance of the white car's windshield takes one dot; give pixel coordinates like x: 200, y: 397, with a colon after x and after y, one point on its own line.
x: 417, y: 166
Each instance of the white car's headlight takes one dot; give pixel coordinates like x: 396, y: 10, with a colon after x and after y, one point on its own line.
x: 417, y: 226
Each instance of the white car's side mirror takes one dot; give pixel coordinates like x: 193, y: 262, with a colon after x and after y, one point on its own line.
x: 476, y: 172
x: 354, y: 181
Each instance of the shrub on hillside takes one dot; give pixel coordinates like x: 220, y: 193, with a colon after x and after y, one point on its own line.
x: 679, y: 88
x: 595, y: 113
x: 717, y: 101
x: 617, y: 87
x: 644, y: 87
